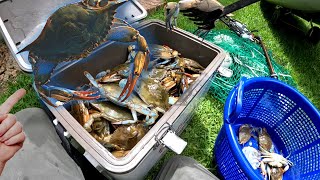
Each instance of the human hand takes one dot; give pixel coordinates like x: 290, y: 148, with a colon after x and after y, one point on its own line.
x: 11, y: 133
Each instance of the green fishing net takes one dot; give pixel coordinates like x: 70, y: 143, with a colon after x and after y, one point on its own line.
x: 246, y: 58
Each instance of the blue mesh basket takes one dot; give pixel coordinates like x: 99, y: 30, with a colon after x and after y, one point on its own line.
x: 291, y: 120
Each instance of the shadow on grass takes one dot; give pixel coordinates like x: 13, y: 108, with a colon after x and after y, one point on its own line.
x: 200, y: 134
x: 302, y: 57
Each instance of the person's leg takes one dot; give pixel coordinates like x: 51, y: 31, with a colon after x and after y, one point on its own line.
x: 186, y: 168
x: 42, y: 157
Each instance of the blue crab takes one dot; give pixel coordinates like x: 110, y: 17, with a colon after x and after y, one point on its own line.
x: 166, y: 71
x: 110, y: 112
x: 152, y: 93
x: 264, y: 138
x: 72, y: 33
x: 245, y: 133
x: 116, y: 74
x: 186, y: 63
x: 111, y: 92
x: 274, y: 165
x: 124, y: 138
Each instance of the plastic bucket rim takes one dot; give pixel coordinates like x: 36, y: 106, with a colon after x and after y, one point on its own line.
x: 314, y: 111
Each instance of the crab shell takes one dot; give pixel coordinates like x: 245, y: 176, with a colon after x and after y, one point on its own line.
x: 112, y: 112
x: 152, y: 93
x: 120, y: 154
x: 163, y: 52
x: 276, y: 173
x: 244, y: 133
x: 263, y: 168
x: 80, y: 112
x: 126, y: 137
x: 265, y: 141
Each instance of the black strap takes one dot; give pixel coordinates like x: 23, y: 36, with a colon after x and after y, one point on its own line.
x: 236, y: 6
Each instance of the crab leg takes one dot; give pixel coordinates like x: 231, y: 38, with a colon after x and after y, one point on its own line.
x: 87, y: 125
x: 54, y: 95
x: 127, y: 82
x: 58, y: 94
x: 135, y: 119
x: 64, y: 94
x: 139, y: 65
x: 94, y: 83
x: 184, y: 83
x: 150, y: 120
x: 126, y: 86
x: 141, y: 60
x: 269, y: 172
x: 151, y: 115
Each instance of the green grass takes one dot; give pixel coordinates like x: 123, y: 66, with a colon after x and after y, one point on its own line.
x: 200, y: 134
x: 289, y: 48
x: 23, y: 80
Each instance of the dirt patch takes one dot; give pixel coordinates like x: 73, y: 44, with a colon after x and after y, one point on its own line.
x: 9, y: 69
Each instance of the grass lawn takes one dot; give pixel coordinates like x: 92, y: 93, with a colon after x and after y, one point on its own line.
x: 289, y: 48
x: 23, y: 80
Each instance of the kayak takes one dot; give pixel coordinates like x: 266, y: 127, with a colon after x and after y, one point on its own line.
x: 310, y: 6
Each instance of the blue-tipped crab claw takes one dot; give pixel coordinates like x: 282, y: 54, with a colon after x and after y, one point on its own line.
x: 121, y: 31
x: 141, y: 62
x: 56, y: 96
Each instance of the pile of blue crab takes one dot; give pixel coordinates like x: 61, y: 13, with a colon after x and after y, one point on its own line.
x: 119, y: 123
x: 261, y: 153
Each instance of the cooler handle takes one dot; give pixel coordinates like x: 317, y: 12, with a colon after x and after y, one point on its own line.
x: 236, y: 103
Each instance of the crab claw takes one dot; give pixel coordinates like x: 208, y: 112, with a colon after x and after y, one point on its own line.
x: 140, y: 63
x: 123, y: 33
x: 142, y: 44
x: 55, y: 96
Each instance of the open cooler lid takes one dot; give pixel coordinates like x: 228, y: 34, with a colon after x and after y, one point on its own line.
x: 21, y: 21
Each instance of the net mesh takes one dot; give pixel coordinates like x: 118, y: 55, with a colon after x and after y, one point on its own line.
x: 247, y: 60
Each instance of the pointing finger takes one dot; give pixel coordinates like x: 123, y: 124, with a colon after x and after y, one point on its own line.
x: 6, y: 107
